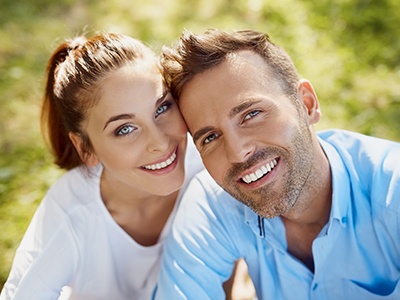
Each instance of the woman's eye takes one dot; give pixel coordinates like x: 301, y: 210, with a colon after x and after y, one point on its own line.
x: 162, y: 108
x: 210, y: 138
x: 251, y: 114
x: 125, y: 130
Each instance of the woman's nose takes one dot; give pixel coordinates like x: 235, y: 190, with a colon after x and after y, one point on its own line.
x: 158, y: 140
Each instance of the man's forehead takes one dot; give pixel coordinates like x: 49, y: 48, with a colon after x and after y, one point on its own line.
x: 234, y: 63
x: 242, y: 69
x: 246, y: 57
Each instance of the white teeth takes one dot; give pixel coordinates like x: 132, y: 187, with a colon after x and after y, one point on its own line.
x: 260, y: 172
x: 163, y: 164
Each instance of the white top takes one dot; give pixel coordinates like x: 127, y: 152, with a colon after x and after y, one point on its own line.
x: 73, y: 244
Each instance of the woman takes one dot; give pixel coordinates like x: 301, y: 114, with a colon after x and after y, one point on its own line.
x: 111, y: 122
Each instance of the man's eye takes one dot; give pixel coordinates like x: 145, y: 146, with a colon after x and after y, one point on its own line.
x: 251, y: 114
x: 162, y: 108
x: 125, y: 130
x: 210, y: 138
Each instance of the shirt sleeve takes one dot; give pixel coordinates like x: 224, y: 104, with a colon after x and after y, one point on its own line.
x: 43, y: 262
x: 199, y: 254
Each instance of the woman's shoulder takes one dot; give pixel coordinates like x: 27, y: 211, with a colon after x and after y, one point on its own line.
x: 76, y: 187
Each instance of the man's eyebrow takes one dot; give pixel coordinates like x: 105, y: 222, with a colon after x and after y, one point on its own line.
x: 199, y: 133
x: 118, y: 117
x: 241, y: 107
x: 233, y: 112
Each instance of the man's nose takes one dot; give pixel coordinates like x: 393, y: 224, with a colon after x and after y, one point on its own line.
x: 238, y: 147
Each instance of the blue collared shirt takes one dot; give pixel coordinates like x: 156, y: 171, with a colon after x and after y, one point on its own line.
x: 356, y: 255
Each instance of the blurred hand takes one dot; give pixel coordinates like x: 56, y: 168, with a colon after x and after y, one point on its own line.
x: 240, y: 285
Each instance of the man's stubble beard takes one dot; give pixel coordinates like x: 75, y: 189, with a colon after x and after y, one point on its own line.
x: 270, y: 201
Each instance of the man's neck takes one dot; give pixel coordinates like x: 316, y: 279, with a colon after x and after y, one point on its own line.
x: 310, y: 214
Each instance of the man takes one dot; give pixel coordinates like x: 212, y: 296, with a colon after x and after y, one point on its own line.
x: 316, y: 216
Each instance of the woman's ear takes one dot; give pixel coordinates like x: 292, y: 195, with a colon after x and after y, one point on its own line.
x: 310, y: 100
x: 90, y: 159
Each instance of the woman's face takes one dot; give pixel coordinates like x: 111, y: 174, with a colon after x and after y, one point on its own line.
x: 137, y: 132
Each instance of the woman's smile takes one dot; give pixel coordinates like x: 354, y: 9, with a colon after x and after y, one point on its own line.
x: 162, y: 164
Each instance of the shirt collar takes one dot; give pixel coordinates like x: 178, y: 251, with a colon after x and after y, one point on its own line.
x: 254, y: 221
x: 340, y: 183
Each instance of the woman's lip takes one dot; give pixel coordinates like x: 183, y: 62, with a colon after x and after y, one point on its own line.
x: 162, y: 162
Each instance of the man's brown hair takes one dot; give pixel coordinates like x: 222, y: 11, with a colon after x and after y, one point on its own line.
x: 195, y: 54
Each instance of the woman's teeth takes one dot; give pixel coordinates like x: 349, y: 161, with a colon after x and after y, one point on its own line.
x: 260, y: 172
x: 161, y: 165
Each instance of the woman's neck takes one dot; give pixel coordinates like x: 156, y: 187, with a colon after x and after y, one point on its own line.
x: 141, y: 215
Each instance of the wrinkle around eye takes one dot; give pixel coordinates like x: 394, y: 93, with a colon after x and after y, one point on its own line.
x: 197, y: 135
x: 210, y: 138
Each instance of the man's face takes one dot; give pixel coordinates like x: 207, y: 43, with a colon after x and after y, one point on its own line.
x: 252, y: 139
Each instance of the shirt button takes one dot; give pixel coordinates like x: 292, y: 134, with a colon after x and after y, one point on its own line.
x: 344, y: 220
x: 315, y: 286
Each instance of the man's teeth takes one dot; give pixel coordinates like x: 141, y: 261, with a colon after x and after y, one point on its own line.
x: 163, y: 164
x: 260, y: 172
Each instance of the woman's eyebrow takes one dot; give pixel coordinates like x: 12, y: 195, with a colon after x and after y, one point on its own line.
x: 131, y: 116
x: 161, y: 98
x: 118, y: 117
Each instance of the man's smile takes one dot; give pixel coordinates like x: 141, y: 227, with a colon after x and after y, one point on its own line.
x: 265, y: 169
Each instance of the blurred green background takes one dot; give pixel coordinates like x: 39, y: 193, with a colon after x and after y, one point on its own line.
x: 349, y: 49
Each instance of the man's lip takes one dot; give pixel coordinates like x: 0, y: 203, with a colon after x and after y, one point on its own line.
x: 258, y: 171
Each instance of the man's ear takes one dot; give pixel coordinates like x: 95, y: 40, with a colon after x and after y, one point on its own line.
x: 90, y: 159
x: 310, y: 101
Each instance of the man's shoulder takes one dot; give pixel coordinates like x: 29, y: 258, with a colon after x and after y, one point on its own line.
x: 204, y: 192
x: 211, y: 188
x: 361, y: 149
x: 205, y: 180
x: 349, y: 139
x: 371, y: 164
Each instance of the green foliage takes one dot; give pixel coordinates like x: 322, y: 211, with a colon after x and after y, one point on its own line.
x: 347, y: 48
